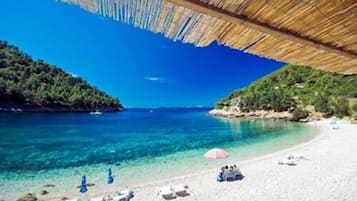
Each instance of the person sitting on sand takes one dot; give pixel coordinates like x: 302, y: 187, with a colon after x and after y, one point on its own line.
x: 225, y: 169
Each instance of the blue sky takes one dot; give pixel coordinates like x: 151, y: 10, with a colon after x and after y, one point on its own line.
x: 141, y: 68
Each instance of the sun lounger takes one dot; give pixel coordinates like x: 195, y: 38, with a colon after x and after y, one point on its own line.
x: 296, y: 156
x: 124, y: 195
x: 97, y: 199
x: 180, y: 190
x: 289, y: 161
x: 166, y: 192
x: 75, y: 199
x: 237, y: 172
x: 232, y: 175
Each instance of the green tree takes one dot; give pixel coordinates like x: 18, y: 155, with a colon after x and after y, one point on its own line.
x: 221, y: 104
x: 322, y: 104
x: 341, y: 107
x: 353, y: 94
x: 299, y: 113
x: 354, y: 107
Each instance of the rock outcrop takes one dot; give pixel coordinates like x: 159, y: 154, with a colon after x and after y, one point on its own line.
x: 27, y: 197
x: 260, y: 114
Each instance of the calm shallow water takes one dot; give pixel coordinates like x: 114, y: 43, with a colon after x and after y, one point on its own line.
x: 36, y: 149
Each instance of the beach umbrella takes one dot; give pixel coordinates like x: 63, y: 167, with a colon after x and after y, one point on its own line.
x: 83, y: 185
x: 216, y: 153
x: 110, y: 177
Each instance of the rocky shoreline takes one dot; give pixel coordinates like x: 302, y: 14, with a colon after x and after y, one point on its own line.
x: 259, y: 114
x: 19, y: 108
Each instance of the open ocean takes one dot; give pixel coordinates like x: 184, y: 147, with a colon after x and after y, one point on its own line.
x: 140, y: 145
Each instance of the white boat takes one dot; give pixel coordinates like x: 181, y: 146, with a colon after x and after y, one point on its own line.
x: 96, y: 113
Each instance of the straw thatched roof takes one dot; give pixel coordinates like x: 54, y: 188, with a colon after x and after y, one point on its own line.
x: 317, y: 33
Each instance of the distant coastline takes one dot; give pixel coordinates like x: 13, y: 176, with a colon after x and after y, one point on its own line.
x: 11, y: 107
x: 169, y: 108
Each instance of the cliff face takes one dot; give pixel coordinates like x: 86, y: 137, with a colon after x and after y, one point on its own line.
x: 293, y: 93
x: 35, y: 86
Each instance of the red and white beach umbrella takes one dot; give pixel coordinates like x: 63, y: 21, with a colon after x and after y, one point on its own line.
x: 216, y: 153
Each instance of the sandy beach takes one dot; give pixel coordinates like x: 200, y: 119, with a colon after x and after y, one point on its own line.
x: 328, y: 172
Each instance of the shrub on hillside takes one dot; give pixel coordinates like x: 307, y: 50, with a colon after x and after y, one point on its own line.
x: 353, y: 94
x: 222, y: 103
x: 341, y: 107
x: 321, y: 104
x: 354, y: 107
x: 299, y: 113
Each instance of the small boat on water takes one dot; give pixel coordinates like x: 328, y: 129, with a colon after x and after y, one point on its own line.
x: 96, y: 113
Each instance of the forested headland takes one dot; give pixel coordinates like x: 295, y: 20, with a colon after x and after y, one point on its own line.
x: 301, y: 91
x: 28, y: 85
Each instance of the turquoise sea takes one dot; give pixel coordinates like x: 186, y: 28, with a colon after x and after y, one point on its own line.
x: 140, y: 145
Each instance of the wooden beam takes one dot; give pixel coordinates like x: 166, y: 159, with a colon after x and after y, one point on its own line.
x: 231, y: 17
